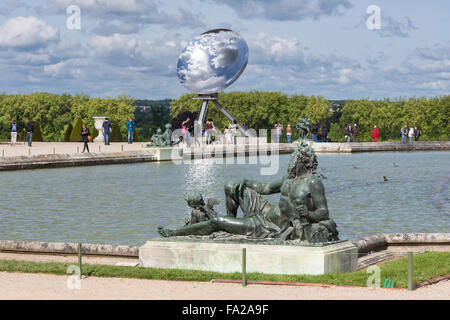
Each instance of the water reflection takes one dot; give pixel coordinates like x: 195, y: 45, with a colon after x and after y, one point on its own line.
x: 124, y: 204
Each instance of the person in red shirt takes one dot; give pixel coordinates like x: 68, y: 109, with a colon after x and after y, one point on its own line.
x: 375, y: 133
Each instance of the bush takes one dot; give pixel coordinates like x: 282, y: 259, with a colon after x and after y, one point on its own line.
x: 75, y: 135
x: 37, y: 134
x: 22, y: 136
x: 94, y: 133
x: 67, y: 131
x: 116, y: 136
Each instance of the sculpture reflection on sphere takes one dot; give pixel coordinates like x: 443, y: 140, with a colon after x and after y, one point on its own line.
x: 212, y: 61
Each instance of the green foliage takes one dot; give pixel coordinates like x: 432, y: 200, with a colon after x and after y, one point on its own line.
x: 22, y: 136
x: 335, y: 133
x: 54, y: 112
x: 75, y: 135
x: 67, y: 131
x: 94, y: 132
x: 261, y: 110
x: 116, y: 135
x: 37, y: 133
x: 155, y: 118
x: 136, y: 136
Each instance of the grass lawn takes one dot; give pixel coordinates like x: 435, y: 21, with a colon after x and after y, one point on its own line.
x: 427, y: 266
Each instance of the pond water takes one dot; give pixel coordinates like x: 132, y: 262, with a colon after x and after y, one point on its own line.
x: 124, y: 204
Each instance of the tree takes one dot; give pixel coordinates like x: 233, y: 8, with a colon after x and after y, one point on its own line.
x: 116, y: 135
x: 37, y: 134
x: 67, y: 131
x: 75, y: 135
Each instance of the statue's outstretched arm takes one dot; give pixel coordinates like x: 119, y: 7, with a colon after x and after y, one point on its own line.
x: 263, y: 187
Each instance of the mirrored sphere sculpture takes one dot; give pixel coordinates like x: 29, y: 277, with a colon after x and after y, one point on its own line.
x: 212, y: 61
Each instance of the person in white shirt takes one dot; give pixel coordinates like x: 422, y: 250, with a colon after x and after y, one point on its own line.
x: 14, y: 129
x: 411, y: 134
x: 233, y: 127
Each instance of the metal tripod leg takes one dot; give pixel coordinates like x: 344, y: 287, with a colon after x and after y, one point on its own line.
x: 202, y: 116
x: 229, y: 116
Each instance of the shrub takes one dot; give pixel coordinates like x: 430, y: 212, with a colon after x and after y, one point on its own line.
x: 116, y: 136
x: 22, y: 136
x: 94, y: 133
x: 67, y: 131
x: 75, y: 135
x: 37, y: 134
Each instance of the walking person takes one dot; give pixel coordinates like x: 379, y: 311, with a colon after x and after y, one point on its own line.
x: 314, y: 131
x: 209, y: 130
x: 355, y: 133
x: 185, y: 126
x: 85, y: 134
x: 411, y: 134
x: 233, y: 127
x: 107, y: 131
x: 279, y: 131
x: 244, y: 125
x: 416, y: 134
x: 349, y: 132
x: 324, y: 133
x: 375, y: 133
x: 130, y: 130
x: 14, y: 130
x: 29, y: 128
x: 404, y: 132
x: 288, y: 133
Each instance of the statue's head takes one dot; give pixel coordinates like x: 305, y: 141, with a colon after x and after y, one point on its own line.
x: 303, y: 159
x: 194, y: 199
x: 168, y: 126
x: 158, y: 131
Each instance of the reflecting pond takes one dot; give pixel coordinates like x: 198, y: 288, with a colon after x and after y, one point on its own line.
x: 124, y: 204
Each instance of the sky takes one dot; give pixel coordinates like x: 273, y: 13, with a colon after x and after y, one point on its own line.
x: 312, y: 47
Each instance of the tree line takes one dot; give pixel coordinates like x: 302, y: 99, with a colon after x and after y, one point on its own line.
x: 57, y: 115
x: 264, y: 109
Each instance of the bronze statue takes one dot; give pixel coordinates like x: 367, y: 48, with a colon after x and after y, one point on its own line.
x: 304, y: 125
x: 301, y: 214
x: 163, y: 140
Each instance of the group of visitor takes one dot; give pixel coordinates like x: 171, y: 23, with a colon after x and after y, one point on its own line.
x: 213, y: 134
x: 412, y: 132
x: 14, y: 129
x: 351, y: 132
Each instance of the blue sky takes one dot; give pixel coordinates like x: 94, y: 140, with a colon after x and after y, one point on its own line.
x: 320, y: 47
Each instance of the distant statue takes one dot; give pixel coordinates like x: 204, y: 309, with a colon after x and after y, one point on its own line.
x: 163, y: 140
x: 156, y: 139
x: 301, y: 214
x: 304, y: 127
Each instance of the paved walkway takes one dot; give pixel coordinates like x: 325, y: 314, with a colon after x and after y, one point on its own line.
x: 41, y: 148
x: 45, y: 286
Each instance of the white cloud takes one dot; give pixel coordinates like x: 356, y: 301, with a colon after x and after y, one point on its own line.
x: 276, y: 50
x: 282, y: 10
x: 27, y: 32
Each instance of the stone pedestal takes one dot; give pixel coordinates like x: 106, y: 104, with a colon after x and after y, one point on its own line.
x: 166, y: 153
x: 98, y: 124
x: 227, y: 257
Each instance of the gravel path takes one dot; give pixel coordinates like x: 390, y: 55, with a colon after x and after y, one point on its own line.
x: 44, y: 286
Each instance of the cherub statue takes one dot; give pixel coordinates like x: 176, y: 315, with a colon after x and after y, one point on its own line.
x: 304, y: 125
x: 200, y: 211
